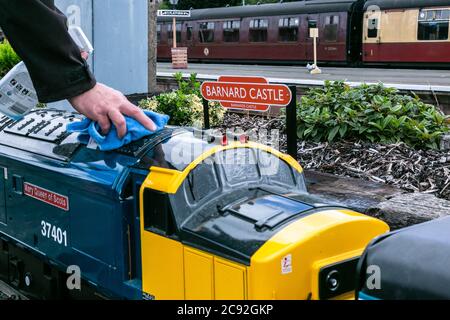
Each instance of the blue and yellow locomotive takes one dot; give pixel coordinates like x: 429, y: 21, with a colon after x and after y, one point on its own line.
x: 177, y: 215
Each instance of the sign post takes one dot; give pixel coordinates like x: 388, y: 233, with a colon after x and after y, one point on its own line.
x: 314, y: 33
x: 174, y: 32
x: 253, y: 94
x: 179, y: 55
x: 291, y: 124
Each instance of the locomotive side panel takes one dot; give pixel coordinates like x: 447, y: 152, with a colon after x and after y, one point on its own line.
x: 68, y: 226
x: 37, y: 208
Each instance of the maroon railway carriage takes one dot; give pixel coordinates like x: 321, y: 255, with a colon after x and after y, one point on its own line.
x: 269, y: 33
x: 407, y: 32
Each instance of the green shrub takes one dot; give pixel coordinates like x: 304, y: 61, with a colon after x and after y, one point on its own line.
x: 184, y: 109
x: 190, y: 86
x: 185, y: 105
x: 8, y: 58
x: 369, y: 112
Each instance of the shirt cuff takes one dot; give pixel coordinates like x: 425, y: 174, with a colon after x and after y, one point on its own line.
x: 76, y: 82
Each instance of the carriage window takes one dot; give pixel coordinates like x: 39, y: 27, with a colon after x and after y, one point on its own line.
x: 433, y: 25
x: 206, y: 32
x: 158, y: 32
x: 231, y: 31
x: 372, y: 28
x: 170, y: 32
x: 258, y: 30
x: 189, y: 33
x: 331, y: 28
x: 288, y: 29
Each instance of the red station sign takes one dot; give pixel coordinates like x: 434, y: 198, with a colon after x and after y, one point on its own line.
x: 246, y: 93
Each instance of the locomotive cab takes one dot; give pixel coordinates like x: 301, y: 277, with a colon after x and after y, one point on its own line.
x: 236, y: 222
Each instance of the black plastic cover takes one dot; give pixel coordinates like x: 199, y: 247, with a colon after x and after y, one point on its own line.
x: 414, y: 263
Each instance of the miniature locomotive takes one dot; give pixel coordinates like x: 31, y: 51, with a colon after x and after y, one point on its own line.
x: 177, y: 215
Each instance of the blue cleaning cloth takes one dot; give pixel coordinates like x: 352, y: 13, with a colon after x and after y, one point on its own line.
x: 135, y: 131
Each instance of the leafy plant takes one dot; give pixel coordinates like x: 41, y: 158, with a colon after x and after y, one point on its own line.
x: 185, y: 105
x: 8, y: 58
x: 369, y: 112
x: 190, y: 86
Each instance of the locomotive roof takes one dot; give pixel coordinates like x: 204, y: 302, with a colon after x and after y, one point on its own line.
x: 272, y: 9
x: 397, y: 4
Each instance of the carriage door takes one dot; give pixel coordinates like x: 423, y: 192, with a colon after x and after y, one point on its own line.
x: 312, y: 22
x: 189, y: 29
x: 371, y: 36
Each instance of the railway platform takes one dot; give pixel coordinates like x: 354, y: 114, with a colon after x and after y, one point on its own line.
x: 403, y: 79
x: 431, y: 85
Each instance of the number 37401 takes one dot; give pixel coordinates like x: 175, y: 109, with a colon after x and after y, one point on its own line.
x: 54, y: 233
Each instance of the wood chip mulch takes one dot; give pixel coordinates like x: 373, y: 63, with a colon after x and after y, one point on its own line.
x: 426, y: 171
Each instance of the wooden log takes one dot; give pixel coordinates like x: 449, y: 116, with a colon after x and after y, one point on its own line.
x: 409, y: 209
x: 357, y: 194
x: 392, y: 205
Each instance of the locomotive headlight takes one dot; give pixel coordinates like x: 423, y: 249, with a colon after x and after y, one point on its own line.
x: 333, y: 280
x: 337, y: 279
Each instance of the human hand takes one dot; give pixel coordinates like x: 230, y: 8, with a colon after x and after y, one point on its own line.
x: 105, y: 105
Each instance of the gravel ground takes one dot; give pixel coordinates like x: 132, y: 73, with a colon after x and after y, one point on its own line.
x: 426, y: 171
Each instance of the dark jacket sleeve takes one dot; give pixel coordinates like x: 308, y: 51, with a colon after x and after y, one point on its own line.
x: 37, y: 31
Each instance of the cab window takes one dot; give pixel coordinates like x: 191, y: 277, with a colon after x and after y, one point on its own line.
x: 203, y: 181
x: 239, y: 165
x: 158, y: 215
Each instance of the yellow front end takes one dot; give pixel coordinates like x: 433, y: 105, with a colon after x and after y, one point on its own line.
x: 293, y: 263
x: 286, y: 267
x: 309, y: 244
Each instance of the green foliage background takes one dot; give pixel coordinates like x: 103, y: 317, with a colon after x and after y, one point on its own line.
x: 185, y: 105
x: 8, y: 58
x: 369, y: 113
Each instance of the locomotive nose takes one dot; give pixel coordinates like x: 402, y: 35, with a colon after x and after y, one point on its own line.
x: 314, y: 257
